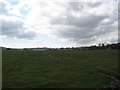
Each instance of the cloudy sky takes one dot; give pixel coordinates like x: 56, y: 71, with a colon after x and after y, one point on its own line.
x: 56, y: 23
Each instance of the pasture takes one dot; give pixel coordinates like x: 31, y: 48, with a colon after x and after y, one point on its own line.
x: 59, y: 68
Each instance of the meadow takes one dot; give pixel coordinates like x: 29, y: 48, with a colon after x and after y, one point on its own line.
x: 59, y: 68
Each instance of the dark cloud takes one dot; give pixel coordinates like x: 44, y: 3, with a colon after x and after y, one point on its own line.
x: 83, y: 21
x: 95, y: 4
x: 85, y: 27
x: 74, y: 6
x: 13, y: 27
x: 83, y: 34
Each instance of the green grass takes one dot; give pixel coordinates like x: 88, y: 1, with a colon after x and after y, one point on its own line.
x: 61, y: 69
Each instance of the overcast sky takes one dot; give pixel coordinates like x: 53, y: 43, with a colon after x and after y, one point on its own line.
x: 55, y: 23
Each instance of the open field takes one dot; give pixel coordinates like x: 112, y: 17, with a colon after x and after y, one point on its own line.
x: 61, y: 69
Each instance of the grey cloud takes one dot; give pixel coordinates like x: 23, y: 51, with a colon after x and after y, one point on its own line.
x: 9, y: 25
x: 86, y: 34
x: 80, y: 5
x: 74, y: 6
x: 15, y: 29
x: 87, y: 28
x: 78, y: 34
x: 84, y: 21
x: 27, y: 35
x: 95, y: 4
x: 89, y: 20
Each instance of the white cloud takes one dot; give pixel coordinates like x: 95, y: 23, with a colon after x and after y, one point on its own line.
x: 79, y: 22
x: 4, y: 7
x: 83, y: 22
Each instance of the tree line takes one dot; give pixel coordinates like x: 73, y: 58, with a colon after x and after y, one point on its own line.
x: 92, y: 47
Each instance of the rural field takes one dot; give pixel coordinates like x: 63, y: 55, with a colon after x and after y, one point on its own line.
x: 60, y: 68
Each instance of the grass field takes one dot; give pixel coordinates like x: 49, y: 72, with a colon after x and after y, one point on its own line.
x: 61, y: 69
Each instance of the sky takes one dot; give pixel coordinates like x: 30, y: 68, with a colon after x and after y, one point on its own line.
x: 58, y: 23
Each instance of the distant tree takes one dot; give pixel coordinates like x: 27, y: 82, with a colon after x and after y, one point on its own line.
x: 8, y: 48
x: 108, y: 45
x: 99, y: 45
x: 103, y: 45
x: 25, y: 48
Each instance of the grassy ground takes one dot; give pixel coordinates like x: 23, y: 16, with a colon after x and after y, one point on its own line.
x: 61, y: 69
